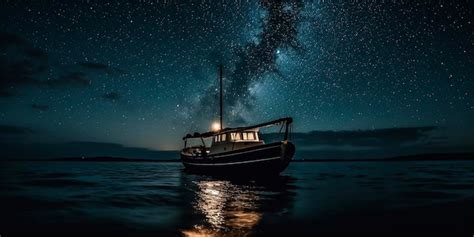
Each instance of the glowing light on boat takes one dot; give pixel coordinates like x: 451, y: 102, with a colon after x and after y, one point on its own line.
x: 216, y: 126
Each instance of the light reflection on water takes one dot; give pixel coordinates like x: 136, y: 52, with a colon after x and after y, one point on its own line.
x: 226, y: 207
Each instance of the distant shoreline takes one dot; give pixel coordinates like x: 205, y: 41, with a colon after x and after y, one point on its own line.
x: 419, y: 157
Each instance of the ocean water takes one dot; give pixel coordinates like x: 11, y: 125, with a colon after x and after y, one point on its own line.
x: 160, y: 199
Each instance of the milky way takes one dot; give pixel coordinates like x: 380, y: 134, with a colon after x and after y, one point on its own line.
x: 279, y: 30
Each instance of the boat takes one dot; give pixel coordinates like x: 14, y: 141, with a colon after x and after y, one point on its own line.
x: 239, y: 150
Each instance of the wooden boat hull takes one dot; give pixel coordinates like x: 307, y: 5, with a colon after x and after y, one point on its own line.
x: 257, y: 160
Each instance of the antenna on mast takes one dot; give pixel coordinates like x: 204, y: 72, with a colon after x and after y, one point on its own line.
x: 221, y: 69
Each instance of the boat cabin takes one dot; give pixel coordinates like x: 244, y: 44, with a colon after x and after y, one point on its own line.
x: 229, y: 141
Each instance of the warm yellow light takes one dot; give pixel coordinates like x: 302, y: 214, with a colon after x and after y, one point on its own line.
x: 216, y: 126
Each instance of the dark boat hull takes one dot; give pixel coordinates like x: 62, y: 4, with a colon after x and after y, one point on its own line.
x: 258, y: 160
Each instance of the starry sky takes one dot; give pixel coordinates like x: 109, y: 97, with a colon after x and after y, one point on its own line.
x: 370, y: 78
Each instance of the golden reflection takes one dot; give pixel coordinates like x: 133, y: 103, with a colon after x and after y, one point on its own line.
x: 228, y: 209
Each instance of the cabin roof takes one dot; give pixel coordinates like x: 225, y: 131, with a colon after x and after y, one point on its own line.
x: 287, y: 120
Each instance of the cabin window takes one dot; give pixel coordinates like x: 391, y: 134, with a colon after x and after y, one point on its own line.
x: 243, y: 136
x: 235, y: 136
x: 248, y: 136
x: 220, y: 138
x: 251, y: 136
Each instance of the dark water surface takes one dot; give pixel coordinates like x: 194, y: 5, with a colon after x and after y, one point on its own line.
x: 146, y: 198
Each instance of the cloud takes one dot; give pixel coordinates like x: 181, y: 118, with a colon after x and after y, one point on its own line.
x: 25, y: 65
x: 18, y: 73
x: 100, y: 67
x: 13, y: 41
x: 93, y: 66
x: 70, y: 79
x: 21, y: 65
x: 6, y: 94
x: 14, y: 130
x: 8, y: 39
x: 257, y: 58
x: 111, y: 96
x: 40, y: 107
x: 373, y: 138
x: 14, y: 74
x: 36, y: 53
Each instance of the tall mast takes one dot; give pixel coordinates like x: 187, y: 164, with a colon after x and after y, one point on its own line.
x: 221, y: 68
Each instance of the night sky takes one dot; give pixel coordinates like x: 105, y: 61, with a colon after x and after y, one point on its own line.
x: 360, y: 78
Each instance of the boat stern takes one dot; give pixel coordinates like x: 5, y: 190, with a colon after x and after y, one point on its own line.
x: 287, y: 149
